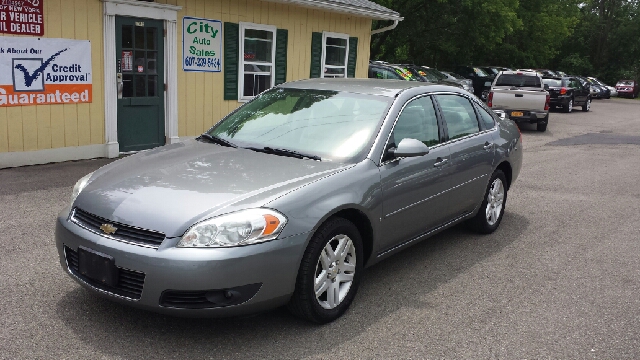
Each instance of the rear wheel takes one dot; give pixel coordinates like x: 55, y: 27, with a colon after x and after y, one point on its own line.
x: 587, y: 105
x: 542, y: 126
x: 492, y: 208
x: 330, y: 272
x: 569, y: 106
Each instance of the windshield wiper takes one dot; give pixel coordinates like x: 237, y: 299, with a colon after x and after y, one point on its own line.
x: 285, y: 152
x: 216, y: 139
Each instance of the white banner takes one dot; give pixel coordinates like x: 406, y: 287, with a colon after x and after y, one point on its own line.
x: 201, y: 44
x: 35, y: 71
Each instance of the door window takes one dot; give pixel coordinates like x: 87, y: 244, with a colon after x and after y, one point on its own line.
x: 486, y: 118
x: 417, y: 121
x: 138, y: 61
x: 459, y: 115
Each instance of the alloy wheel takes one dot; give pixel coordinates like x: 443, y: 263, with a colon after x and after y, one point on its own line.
x: 570, y: 105
x: 588, y: 104
x: 495, y: 200
x: 335, y: 271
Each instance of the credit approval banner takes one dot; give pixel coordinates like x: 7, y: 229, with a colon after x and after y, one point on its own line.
x: 38, y: 71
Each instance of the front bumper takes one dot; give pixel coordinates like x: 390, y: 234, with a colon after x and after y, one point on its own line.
x: 270, y: 268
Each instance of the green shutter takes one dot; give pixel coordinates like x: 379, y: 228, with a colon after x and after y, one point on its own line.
x: 282, y: 36
x: 353, y: 57
x: 231, y: 54
x: 316, y: 55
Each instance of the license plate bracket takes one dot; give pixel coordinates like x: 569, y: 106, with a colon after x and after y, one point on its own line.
x: 517, y: 113
x: 97, y: 266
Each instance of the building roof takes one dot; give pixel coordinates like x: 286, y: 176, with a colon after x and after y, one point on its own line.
x: 363, y: 8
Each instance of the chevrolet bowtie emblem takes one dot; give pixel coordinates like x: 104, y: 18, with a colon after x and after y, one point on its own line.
x: 108, y: 228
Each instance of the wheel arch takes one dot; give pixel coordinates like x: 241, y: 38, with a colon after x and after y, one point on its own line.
x: 505, y: 167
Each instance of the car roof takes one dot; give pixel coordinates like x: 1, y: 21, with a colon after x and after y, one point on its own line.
x: 381, y: 87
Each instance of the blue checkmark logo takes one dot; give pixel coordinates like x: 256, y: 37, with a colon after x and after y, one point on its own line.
x: 29, y: 78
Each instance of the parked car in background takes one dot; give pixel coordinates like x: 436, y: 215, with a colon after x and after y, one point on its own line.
x: 547, y: 72
x: 522, y: 96
x: 454, y: 76
x: 383, y: 70
x: 289, y: 198
x: 493, y: 70
x: 595, y: 91
x: 481, y: 80
x: 612, y: 90
x: 628, y: 88
x: 434, y: 76
x: 602, y: 91
x: 561, y: 73
x: 567, y: 92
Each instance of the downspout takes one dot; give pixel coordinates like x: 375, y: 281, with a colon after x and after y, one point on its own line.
x: 381, y: 30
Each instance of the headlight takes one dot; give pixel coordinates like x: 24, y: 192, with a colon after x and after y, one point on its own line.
x: 240, y: 228
x: 80, y: 185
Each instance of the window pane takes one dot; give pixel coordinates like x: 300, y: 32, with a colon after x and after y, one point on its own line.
x: 127, y: 37
x: 151, y: 38
x: 138, y: 62
x: 152, y: 82
x: 459, y: 115
x: 258, y: 45
x: 252, y: 68
x: 336, y: 51
x: 255, y: 84
x: 334, y: 72
x: 152, y: 57
x: 487, y: 119
x: 418, y: 121
x: 140, y: 86
x: 139, y: 31
x: 127, y: 86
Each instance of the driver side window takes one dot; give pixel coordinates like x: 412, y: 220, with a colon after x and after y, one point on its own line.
x: 418, y: 121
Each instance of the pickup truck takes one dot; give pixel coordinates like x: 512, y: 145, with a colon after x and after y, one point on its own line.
x: 522, y: 96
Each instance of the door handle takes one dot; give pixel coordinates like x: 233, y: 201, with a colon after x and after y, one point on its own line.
x: 119, y: 85
x: 440, y: 162
x: 488, y: 146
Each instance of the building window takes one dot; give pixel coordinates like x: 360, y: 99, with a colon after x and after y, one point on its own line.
x: 335, y: 51
x: 257, y: 59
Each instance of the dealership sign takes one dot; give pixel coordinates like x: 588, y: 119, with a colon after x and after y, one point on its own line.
x: 24, y: 17
x: 201, y: 44
x: 36, y: 71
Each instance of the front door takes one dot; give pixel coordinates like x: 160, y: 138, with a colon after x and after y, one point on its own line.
x: 140, y: 77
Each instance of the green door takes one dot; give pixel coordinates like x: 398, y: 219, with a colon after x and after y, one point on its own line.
x: 140, y: 76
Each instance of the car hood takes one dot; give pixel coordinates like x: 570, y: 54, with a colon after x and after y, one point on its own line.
x: 170, y: 188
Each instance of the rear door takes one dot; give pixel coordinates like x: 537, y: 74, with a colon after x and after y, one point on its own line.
x: 472, y: 152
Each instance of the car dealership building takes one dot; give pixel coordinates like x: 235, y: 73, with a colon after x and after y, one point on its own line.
x: 96, y: 78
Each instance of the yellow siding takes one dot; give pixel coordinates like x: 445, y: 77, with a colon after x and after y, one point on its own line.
x: 200, y: 95
x: 40, y: 127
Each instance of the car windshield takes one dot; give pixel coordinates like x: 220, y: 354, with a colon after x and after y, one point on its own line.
x: 459, y: 77
x: 518, y: 80
x: 437, y: 74
x: 336, y: 126
x: 489, y: 70
x: 425, y: 74
x: 552, y: 82
x: 625, y: 82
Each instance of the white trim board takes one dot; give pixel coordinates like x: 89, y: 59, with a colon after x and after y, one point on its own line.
x: 37, y: 157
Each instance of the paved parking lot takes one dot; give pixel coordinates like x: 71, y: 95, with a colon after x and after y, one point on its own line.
x: 559, y: 279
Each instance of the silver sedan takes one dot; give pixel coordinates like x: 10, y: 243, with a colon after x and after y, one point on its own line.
x: 289, y: 198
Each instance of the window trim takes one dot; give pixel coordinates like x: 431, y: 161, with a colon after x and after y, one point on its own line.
x: 241, y: 31
x: 325, y: 35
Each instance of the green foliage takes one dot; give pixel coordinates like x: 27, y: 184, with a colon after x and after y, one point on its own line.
x: 589, y: 37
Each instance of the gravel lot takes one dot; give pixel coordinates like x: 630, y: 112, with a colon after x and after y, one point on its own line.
x: 559, y: 279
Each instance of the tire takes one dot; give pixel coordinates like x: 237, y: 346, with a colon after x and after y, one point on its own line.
x: 543, y: 127
x: 492, y: 207
x: 569, y: 107
x: 318, y: 263
x: 587, y: 105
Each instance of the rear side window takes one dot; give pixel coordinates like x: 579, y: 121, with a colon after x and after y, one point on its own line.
x: 552, y: 82
x: 486, y: 118
x: 459, y: 115
x: 518, y: 80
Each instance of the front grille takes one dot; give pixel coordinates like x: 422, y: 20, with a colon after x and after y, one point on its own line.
x: 185, y: 299
x: 124, y: 232
x: 130, y: 282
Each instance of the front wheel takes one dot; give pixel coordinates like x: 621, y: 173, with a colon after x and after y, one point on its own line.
x: 587, y: 105
x: 329, y: 273
x: 492, y: 208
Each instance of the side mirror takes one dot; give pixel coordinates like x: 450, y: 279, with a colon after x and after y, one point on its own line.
x: 409, y: 148
x: 546, y: 86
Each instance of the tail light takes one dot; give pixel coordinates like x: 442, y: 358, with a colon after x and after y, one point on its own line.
x: 563, y: 91
x: 546, y: 103
x: 490, y: 99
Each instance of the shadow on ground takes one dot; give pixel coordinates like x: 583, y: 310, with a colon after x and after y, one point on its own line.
x: 401, y: 281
